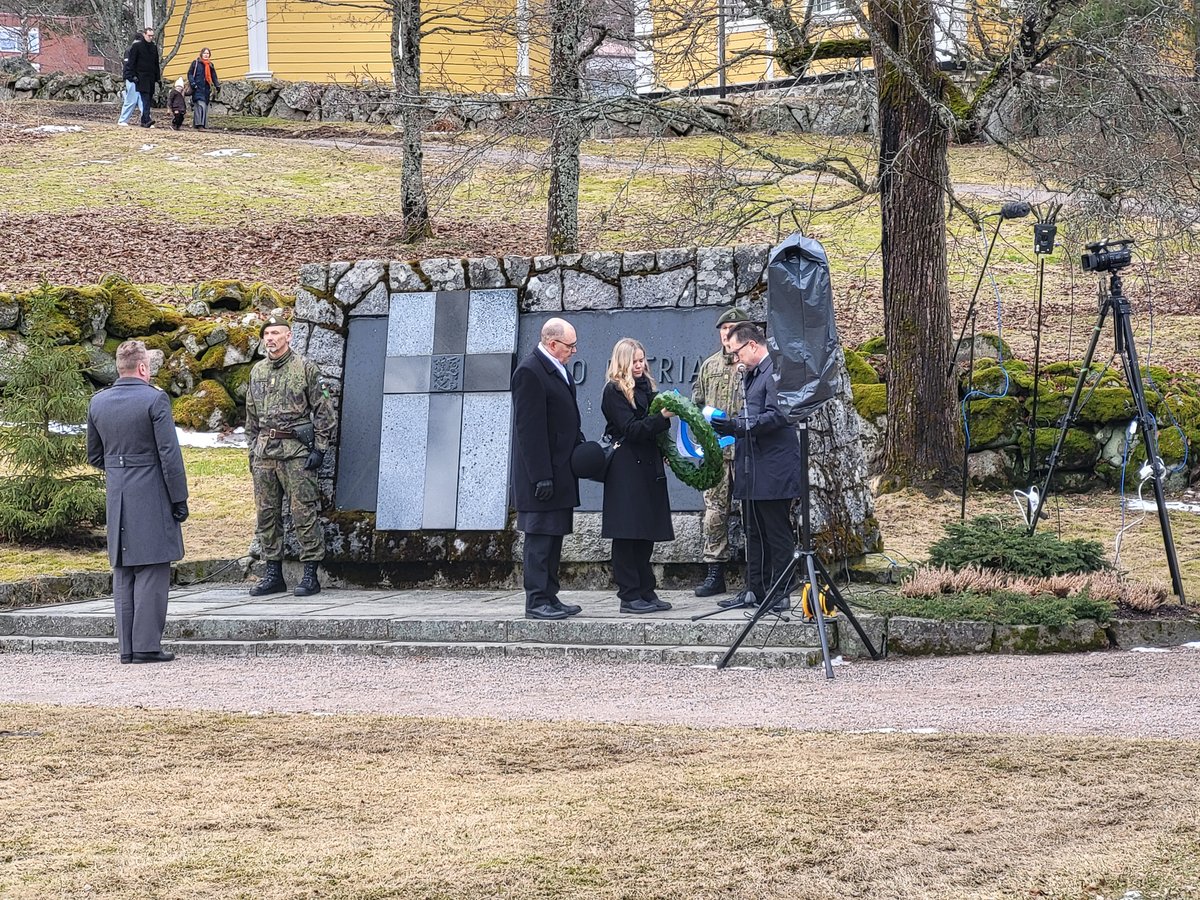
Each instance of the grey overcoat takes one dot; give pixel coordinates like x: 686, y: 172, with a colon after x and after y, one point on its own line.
x: 131, y: 436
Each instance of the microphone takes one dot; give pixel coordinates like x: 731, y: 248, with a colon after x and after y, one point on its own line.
x: 1015, y: 209
x: 741, y: 368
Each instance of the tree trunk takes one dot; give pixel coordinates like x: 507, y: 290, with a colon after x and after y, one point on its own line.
x: 923, y: 435
x: 566, y: 93
x: 406, y: 70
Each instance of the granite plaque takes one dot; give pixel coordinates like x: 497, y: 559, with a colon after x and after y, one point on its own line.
x: 449, y: 360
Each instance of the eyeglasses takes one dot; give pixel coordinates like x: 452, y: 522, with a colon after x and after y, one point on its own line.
x: 736, y: 350
x: 565, y: 344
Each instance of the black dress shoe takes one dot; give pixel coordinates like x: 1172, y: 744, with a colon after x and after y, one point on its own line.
x: 157, y: 656
x: 126, y: 658
x: 638, y: 606
x: 733, y: 602
x: 571, y: 609
x: 545, y: 611
x: 659, y: 604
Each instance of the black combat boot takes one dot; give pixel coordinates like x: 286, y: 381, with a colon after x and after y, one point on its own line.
x: 308, y: 584
x: 272, y: 582
x: 714, y: 583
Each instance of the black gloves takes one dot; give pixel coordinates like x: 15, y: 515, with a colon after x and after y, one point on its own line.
x: 543, y: 490
x: 179, y: 511
x: 315, y: 458
x: 723, y: 425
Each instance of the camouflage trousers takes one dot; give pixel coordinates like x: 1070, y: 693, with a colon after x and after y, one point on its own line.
x: 273, y: 478
x: 716, y: 518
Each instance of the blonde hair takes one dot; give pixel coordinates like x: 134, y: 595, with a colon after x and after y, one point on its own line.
x: 620, y: 367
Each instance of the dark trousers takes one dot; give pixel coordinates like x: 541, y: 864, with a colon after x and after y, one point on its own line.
x: 176, y: 120
x: 632, y: 570
x: 140, y: 597
x: 542, y: 555
x: 770, y: 543
x: 147, y: 96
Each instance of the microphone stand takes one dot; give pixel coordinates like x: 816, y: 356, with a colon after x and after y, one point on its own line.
x: 970, y: 318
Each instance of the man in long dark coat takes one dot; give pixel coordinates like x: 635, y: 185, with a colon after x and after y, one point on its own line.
x: 766, y: 470
x: 146, y: 69
x: 131, y: 436
x: 545, y: 492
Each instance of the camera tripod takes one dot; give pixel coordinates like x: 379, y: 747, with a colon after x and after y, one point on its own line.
x: 808, y: 583
x: 1113, y: 301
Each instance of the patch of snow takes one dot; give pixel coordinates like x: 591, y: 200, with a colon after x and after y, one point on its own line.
x: 1149, y: 650
x: 51, y: 129
x: 249, y: 154
x: 1174, y: 505
x: 173, y: 157
x: 146, y: 148
x: 1191, y: 645
x: 227, y: 152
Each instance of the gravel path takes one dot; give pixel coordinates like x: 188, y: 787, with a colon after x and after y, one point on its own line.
x: 1118, y: 694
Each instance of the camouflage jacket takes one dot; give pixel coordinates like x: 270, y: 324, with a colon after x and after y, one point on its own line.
x: 718, y: 385
x: 283, y: 393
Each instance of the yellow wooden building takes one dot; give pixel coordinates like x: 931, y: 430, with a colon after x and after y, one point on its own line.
x: 349, y: 42
x: 476, y: 48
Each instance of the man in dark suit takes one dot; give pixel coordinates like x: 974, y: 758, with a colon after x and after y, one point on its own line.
x: 131, y: 436
x: 545, y: 492
x: 766, y: 470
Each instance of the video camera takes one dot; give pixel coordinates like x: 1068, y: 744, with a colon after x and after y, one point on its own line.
x: 1108, y: 256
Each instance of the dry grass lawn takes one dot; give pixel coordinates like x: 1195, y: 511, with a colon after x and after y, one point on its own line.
x: 220, y: 527
x: 125, y: 803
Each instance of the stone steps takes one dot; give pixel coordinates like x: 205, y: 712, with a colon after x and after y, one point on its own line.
x: 692, y: 654
x: 646, y: 631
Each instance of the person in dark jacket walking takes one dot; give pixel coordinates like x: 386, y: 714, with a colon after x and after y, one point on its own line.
x: 545, y: 492
x: 637, y: 510
x: 131, y: 436
x: 177, y: 104
x: 202, y: 76
x: 146, y: 70
x: 766, y: 471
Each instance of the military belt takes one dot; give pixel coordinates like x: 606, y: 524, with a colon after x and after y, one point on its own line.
x: 273, y: 433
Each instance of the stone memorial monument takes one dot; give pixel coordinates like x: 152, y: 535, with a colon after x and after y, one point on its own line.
x: 418, y: 356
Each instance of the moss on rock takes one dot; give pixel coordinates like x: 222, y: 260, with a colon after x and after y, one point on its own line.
x: 213, y: 358
x: 79, y: 313
x: 236, y: 380
x: 209, y: 407
x: 994, y: 422
x: 872, y: 347
x: 860, y: 371
x: 1104, y: 406
x: 1080, y: 449
x: 132, y: 314
x: 991, y: 378
x: 870, y: 400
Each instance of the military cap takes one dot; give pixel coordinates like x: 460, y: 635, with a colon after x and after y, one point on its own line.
x: 732, y: 316
x: 277, y: 317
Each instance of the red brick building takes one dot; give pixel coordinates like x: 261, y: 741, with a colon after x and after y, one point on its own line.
x: 51, y: 43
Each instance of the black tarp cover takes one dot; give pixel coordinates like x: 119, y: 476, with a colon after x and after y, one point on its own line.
x: 802, y: 330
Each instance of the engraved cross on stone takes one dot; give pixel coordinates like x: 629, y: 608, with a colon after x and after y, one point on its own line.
x: 447, y: 411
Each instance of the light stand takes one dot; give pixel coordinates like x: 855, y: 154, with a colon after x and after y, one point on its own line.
x: 809, y: 582
x: 1044, y: 233
x: 1114, y: 301
x: 1013, y: 210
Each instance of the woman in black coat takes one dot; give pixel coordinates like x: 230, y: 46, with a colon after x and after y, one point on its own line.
x: 637, y: 511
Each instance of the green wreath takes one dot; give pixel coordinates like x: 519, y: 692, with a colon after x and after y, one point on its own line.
x: 708, y: 473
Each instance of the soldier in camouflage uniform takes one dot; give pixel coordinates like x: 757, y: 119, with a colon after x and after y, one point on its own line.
x: 289, y: 424
x: 719, y: 385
